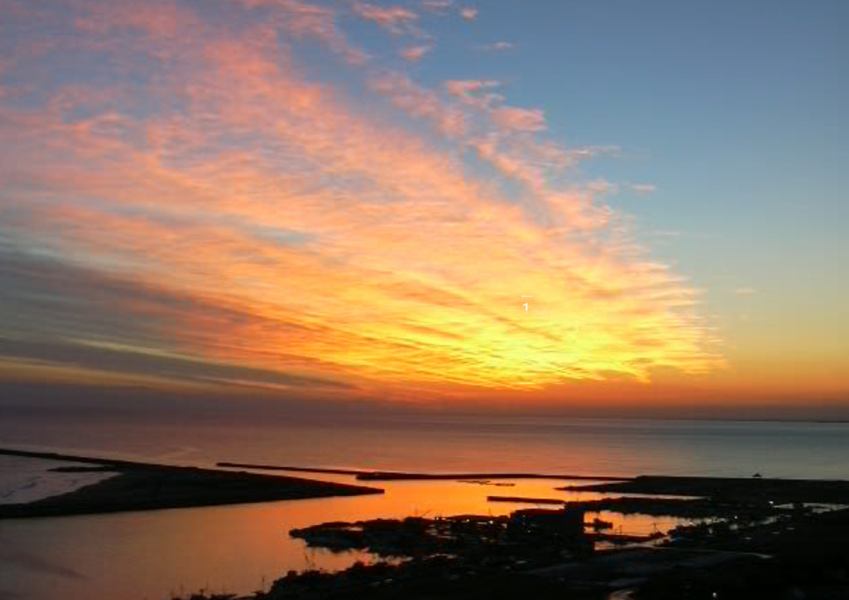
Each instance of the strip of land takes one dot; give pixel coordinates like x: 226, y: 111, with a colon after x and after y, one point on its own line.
x: 325, y: 471
x: 366, y: 475
x: 718, y: 488
x: 525, y: 500
x: 150, y: 486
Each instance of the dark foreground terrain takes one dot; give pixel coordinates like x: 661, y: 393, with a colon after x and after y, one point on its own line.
x: 752, y: 539
x: 808, y: 560
x: 147, y: 486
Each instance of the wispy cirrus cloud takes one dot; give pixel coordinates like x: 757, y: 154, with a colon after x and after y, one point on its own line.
x: 420, y: 102
x: 309, y: 20
x: 395, y: 19
x: 499, y: 46
x: 643, y: 188
x: 519, y: 119
x: 257, y: 226
x: 474, y: 92
x: 414, y: 53
x: 438, y: 6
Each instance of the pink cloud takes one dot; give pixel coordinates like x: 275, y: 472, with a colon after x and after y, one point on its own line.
x: 420, y: 102
x: 414, y: 53
x: 304, y: 19
x: 602, y: 186
x: 519, y: 119
x: 469, y: 13
x: 466, y: 87
x: 395, y: 19
x: 473, y: 92
x: 155, y: 18
x: 508, y: 163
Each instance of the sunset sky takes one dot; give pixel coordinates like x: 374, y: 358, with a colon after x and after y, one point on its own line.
x: 492, y: 203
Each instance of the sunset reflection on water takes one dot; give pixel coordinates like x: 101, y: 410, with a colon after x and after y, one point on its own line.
x: 238, y: 548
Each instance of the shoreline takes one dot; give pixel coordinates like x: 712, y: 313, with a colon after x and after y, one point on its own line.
x: 748, y: 550
x: 369, y: 475
x: 753, y: 488
x: 150, y: 486
x: 739, y: 530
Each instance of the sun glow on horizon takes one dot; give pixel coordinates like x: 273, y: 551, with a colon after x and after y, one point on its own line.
x: 190, y: 194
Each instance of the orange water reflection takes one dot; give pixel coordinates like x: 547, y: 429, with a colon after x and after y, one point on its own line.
x: 230, y: 548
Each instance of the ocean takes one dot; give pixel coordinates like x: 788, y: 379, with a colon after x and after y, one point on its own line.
x: 154, y: 555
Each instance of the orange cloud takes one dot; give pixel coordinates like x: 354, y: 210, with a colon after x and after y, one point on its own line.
x: 316, y: 239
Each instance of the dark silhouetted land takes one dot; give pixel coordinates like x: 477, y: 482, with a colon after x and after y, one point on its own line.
x: 366, y: 475
x: 149, y: 486
x: 802, y: 555
x: 750, y: 488
x: 750, y: 538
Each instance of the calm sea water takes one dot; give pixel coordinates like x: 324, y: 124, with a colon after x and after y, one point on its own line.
x: 242, y: 548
